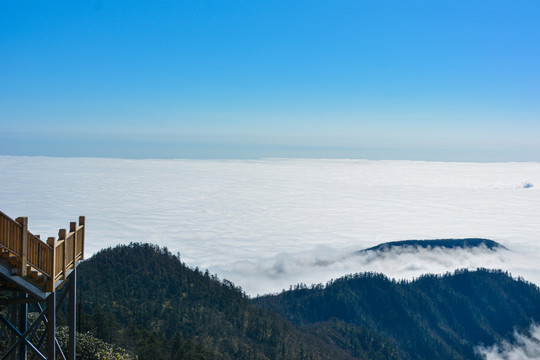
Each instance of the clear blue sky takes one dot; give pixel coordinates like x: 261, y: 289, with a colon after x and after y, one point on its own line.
x: 434, y: 80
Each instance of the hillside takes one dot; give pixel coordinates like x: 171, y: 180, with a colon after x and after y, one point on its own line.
x: 143, y: 298
x: 442, y: 317
x: 146, y: 300
x: 443, y: 243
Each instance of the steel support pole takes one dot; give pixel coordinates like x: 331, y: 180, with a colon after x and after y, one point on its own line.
x: 13, y: 321
x: 23, y: 326
x: 72, y: 315
x: 51, y: 326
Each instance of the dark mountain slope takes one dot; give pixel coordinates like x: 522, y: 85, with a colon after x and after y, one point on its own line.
x: 441, y: 317
x: 143, y: 298
x: 443, y: 243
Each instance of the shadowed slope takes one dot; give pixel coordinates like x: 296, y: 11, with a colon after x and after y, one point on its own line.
x: 144, y: 298
x: 432, y: 317
x: 444, y: 243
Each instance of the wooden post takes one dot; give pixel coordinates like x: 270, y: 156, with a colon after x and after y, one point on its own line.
x: 24, y: 251
x: 62, y: 236
x: 82, y: 222
x: 52, y: 243
x: 73, y: 229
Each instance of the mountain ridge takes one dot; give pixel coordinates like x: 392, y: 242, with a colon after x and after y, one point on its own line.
x: 466, y: 243
x: 143, y: 298
x: 434, y: 316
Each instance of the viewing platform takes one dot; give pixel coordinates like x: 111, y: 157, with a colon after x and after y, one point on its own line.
x: 32, y: 272
x: 33, y: 264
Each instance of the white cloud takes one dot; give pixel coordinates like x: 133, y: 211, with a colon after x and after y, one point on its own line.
x: 319, y: 265
x: 524, y: 347
x: 265, y: 224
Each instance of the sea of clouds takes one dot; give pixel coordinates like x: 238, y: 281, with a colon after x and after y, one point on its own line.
x: 523, y: 347
x: 267, y: 224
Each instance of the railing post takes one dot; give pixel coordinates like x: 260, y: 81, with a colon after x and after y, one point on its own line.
x: 24, y: 251
x: 62, y: 236
x: 73, y: 229
x: 52, y: 243
x: 82, y: 222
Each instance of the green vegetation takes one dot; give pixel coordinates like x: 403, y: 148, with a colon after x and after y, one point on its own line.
x: 443, y: 243
x: 442, y: 317
x: 144, y: 299
x: 88, y: 346
x: 91, y: 348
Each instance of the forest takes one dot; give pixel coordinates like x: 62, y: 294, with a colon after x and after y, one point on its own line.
x: 141, y: 301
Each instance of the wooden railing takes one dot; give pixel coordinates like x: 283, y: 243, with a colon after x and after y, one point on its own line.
x: 49, y: 260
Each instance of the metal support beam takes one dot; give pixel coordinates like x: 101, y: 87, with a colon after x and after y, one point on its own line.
x: 23, y: 326
x: 23, y: 300
x: 21, y: 337
x: 51, y: 326
x: 13, y: 320
x: 21, y: 284
x: 72, y: 351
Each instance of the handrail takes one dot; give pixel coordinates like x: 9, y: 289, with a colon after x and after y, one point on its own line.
x: 39, y: 255
x: 53, y: 259
x: 10, y: 232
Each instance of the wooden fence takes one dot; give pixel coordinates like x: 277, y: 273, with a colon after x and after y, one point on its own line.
x: 48, y: 261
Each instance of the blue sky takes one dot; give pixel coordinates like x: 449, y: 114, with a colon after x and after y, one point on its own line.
x: 428, y: 80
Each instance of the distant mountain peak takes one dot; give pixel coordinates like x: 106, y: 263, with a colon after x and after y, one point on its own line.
x: 440, y: 243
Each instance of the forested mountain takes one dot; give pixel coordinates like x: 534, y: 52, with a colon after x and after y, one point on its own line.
x: 441, y: 317
x: 443, y: 243
x: 143, y: 298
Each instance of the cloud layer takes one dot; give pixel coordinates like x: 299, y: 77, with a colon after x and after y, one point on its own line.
x: 524, y: 347
x: 322, y: 264
x: 265, y: 224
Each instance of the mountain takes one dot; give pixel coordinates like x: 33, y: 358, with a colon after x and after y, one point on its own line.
x: 443, y: 317
x: 444, y: 243
x: 144, y: 299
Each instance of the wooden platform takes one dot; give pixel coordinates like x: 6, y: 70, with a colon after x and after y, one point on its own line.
x: 37, y: 266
